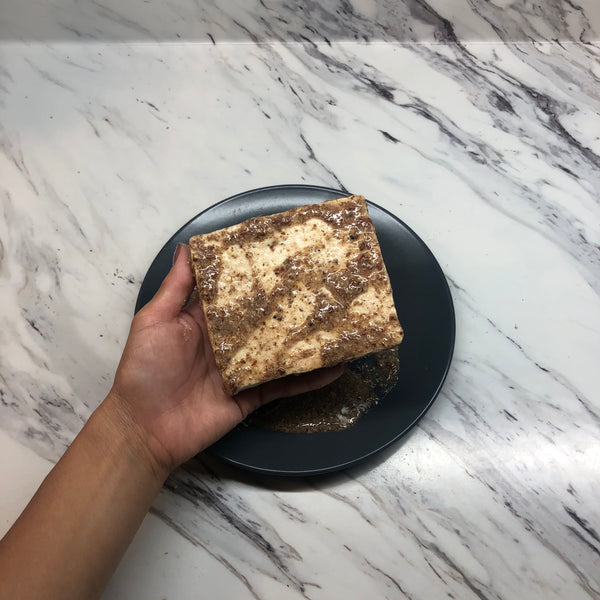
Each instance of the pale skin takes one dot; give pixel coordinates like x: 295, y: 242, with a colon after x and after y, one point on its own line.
x: 166, y: 405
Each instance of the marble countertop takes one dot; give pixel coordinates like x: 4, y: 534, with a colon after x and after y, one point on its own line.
x: 478, y: 124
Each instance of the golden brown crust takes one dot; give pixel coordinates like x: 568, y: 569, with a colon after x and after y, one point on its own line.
x: 294, y: 291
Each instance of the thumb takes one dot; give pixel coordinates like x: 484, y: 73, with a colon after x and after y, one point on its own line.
x: 176, y: 287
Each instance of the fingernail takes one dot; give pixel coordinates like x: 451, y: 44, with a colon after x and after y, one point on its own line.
x: 177, y: 252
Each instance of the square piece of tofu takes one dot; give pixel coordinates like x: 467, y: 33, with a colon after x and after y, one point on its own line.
x: 294, y: 291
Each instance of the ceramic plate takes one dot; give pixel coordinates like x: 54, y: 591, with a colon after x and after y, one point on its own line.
x: 425, y: 309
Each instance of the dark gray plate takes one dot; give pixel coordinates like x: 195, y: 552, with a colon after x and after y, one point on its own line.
x: 425, y: 309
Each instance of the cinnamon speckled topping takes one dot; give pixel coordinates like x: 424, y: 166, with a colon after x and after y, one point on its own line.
x: 294, y: 291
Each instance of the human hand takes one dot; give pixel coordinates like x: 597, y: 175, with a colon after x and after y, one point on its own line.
x: 167, y: 388
x: 167, y: 403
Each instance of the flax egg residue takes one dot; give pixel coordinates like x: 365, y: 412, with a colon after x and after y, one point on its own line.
x: 337, y: 406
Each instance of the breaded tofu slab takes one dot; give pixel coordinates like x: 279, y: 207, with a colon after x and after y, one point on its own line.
x: 294, y: 291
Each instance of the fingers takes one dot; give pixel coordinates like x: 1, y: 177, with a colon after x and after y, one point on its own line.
x: 292, y: 385
x: 299, y: 384
x: 176, y: 287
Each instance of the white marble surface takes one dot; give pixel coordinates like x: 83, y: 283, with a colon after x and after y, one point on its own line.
x: 490, y: 151
x: 297, y: 20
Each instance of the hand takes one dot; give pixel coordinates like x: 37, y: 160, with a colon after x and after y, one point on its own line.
x: 167, y: 403
x: 167, y: 387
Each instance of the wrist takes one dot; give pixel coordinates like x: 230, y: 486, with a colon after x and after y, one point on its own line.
x: 130, y: 437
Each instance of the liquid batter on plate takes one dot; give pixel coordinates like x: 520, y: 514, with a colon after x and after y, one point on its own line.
x: 337, y: 406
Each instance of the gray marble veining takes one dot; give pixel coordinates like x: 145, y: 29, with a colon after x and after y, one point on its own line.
x: 443, y: 21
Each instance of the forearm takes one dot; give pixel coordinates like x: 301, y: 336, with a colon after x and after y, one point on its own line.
x: 69, y: 539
